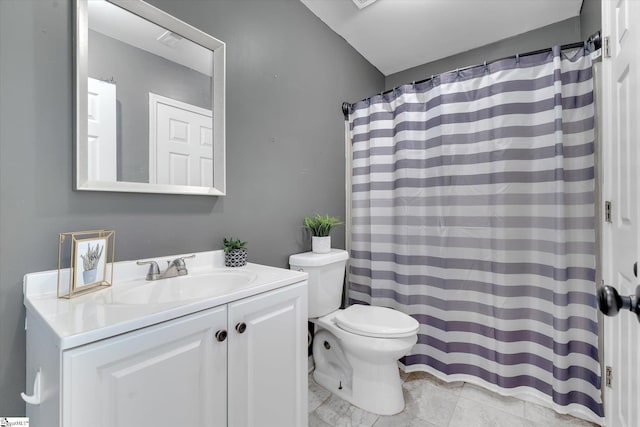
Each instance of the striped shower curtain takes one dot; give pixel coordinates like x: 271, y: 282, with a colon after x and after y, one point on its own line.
x: 473, y: 212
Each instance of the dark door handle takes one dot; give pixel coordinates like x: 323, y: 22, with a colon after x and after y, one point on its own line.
x: 610, y: 302
x: 635, y: 269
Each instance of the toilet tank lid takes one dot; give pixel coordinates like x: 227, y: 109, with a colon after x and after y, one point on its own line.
x: 310, y: 259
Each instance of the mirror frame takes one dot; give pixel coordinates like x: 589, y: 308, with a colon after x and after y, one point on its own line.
x: 163, y: 19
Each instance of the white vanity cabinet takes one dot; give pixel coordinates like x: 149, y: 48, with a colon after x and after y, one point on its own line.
x: 242, y: 363
x: 169, y: 374
x: 184, y: 372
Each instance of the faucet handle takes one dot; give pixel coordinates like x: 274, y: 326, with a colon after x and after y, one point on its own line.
x: 180, y: 264
x: 154, y: 270
x: 180, y: 260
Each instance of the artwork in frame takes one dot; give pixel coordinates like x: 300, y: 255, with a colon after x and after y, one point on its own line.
x: 89, y: 262
x: 85, y: 261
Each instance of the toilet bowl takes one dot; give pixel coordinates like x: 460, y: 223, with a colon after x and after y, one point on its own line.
x: 356, y: 349
x: 372, y: 361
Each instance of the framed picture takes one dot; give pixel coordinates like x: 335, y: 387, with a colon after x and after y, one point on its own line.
x: 90, y: 261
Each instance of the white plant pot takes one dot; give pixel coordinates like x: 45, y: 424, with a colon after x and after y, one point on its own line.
x: 321, y: 245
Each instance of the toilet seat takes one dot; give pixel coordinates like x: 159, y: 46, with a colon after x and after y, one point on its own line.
x: 377, y: 322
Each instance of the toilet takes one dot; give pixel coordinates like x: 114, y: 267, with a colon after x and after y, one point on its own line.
x: 356, y: 349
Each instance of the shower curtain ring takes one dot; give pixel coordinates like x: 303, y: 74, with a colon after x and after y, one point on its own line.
x: 485, y: 66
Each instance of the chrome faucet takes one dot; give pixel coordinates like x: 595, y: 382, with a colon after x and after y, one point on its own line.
x: 177, y: 267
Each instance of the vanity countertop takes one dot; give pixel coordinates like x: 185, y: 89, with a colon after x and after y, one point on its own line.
x: 133, y: 303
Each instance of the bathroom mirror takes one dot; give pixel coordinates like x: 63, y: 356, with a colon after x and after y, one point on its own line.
x: 149, y: 101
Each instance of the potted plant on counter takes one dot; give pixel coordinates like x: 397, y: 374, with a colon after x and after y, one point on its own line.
x: 235, y: 252
x: 320, y: 227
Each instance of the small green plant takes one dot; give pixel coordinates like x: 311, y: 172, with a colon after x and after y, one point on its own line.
x: 92, y: 257
x: 232, y: 244
x: 321, y: 226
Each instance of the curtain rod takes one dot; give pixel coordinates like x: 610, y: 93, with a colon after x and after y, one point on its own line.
x: 595, y: 39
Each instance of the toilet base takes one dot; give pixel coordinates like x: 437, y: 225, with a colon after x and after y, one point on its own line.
x: 360, y: 369
x: 378, y: 392
x: 370, y: 384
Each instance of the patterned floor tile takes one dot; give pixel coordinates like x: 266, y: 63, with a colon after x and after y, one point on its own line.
x: 337, y: 412
x: 430, y: 402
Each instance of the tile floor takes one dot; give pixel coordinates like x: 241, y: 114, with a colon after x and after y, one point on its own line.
x: 433, y: 403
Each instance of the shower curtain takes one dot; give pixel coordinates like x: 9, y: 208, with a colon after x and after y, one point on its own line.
x: 473, y: 212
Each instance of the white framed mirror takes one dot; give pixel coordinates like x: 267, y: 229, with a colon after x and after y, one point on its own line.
x: 149, y: 102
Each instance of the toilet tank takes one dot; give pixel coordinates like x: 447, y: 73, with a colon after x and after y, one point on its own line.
x: 326, y: 277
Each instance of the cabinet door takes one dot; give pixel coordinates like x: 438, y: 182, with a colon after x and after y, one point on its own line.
x: 171, y: 374
x: 268, y: 361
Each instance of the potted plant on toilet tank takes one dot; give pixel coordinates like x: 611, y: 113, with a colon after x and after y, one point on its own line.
x: 235, y: 252
x: 320, y: 227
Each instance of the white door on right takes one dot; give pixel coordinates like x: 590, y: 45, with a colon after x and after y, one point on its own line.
x: 180, y: 143
x: 621, y: 239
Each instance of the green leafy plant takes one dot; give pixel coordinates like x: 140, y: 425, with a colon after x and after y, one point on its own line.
x: 92, y: 257
x: 232, y: 244
x: 321, y: 226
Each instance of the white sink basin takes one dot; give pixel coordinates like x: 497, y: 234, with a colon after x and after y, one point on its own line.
x: 184, y: 288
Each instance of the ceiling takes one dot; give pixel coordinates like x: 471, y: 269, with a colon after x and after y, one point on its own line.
x: 395, y: 35
x: 135, y: 31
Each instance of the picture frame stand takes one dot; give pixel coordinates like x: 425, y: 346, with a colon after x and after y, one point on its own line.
x: 85, y: 262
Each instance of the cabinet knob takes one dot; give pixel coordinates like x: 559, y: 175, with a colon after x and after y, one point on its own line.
x: 241, y: 327
x: 221, y: 335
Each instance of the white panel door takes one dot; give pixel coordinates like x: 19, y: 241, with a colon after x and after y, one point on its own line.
x: 268, y: 359
x: 101, y: 129
x: 181, y: 143
x: 621, y: 77
x: 147, y: 377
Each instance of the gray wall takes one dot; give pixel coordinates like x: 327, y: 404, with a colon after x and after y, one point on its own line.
x: 590, y: 17
x: 563, y: 32
x: 287, y: 75
x: 136, y: 73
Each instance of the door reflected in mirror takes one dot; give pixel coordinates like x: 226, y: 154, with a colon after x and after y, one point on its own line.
x: 154, y: 118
